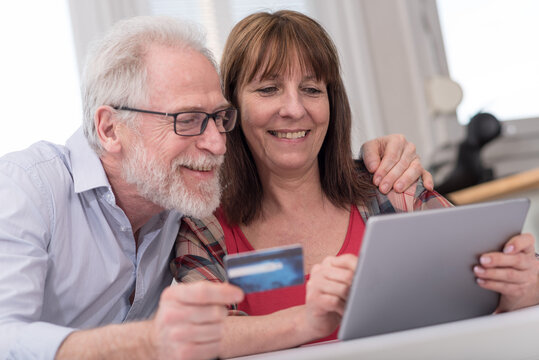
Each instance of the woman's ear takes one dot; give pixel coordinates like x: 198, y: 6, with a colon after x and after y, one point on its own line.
x: 107, y: 128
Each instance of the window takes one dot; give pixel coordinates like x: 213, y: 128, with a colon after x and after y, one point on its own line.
x: 218, y: 17
x: 40, y: 86
x: 492, y: 53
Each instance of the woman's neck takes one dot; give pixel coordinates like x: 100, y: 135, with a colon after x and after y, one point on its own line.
x: 296, y: 211
x: 291, y: 193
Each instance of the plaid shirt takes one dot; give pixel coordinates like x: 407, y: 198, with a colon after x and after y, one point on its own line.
x: 200, y: 245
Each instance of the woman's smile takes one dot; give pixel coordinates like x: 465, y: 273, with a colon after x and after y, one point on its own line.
x: 292, y: 135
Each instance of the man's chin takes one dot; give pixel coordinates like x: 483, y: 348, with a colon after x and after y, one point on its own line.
x: 198, y: 204
x: 197, y: 212
x: 200, y: 215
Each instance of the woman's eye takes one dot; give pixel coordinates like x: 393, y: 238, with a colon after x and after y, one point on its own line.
x: 267, y: 90
x: 312, y: 91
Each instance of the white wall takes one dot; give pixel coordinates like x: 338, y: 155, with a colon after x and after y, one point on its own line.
x: 39, y: 86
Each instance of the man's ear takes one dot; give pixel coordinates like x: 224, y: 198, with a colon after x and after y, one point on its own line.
x: 107, y: 129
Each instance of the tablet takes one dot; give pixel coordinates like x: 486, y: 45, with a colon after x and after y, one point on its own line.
x: 415, y: 269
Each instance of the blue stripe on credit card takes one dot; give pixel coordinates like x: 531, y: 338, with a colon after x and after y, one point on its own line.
x: 266, y: 269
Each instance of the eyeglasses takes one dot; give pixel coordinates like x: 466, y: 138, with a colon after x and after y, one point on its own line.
x: 193, y: 123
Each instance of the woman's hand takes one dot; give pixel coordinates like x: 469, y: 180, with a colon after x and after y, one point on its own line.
x: 327, y: 292
x: 514, y: 273
x: 394, y: 162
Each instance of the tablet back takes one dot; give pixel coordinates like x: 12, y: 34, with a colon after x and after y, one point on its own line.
x: 415, y: 269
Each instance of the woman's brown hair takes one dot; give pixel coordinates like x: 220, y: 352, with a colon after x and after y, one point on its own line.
x: 264, y: 44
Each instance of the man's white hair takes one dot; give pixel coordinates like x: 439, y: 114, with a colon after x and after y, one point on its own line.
x: 115, y: 70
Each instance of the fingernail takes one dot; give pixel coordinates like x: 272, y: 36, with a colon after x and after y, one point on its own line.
x: 478, y: 269
x: 384, y: 188
x: 485, y: 260
x: 377, y: 180
x: 480, y: 281
x: 399, y: 187
x: 508, y: 249
x: 371, y: 165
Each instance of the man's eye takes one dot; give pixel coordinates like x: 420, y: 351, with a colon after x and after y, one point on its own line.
x: 220, y: 119
x: 186, y: 122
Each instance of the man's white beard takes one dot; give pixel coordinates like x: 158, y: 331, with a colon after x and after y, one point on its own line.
x: 165, y: 186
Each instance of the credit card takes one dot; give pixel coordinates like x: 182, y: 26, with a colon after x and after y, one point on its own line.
x: 266, y: 269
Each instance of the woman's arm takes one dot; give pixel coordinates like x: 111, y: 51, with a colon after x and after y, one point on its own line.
x: 326, y: 295
x: 200, y: 246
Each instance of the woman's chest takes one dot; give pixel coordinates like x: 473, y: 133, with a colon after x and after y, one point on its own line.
x: 319, y: 236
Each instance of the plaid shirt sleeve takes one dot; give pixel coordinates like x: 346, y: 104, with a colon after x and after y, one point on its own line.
x: 200, y: 247
x: 415, y: 198
x: 199, y: 250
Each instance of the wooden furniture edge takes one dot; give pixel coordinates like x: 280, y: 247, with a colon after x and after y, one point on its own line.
x: 496, y: 188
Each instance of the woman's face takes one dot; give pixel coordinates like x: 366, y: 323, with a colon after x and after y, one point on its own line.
x: 285, y: 120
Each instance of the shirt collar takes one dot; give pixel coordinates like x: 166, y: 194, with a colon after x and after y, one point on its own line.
x: 87, y: 170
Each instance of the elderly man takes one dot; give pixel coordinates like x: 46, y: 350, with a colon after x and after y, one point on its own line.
x: 87, y: 229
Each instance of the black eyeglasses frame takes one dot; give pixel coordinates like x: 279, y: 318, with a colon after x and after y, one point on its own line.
x: 175, y: 116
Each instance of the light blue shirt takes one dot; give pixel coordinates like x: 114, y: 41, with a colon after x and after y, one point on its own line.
x: 67, y: 251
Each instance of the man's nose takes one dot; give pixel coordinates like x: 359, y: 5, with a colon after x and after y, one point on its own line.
x: 212, y: 140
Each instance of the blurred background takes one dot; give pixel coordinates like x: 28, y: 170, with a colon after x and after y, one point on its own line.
x: 424, y: 68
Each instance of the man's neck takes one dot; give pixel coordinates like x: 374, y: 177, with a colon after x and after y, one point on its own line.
x: 137, y: 209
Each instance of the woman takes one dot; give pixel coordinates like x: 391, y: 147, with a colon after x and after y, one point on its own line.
x: 289, y: 178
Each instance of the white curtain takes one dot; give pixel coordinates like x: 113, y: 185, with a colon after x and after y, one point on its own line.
x: 345, y: 22
x: 90, y: 19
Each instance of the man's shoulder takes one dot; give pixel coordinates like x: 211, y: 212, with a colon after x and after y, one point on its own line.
x: 41, y: 166
x: 37, y: 155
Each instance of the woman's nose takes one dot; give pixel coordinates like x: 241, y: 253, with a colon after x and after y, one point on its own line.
x: 292, y: 105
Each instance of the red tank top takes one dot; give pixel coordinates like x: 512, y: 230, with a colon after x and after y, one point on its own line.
x: 270, y: 301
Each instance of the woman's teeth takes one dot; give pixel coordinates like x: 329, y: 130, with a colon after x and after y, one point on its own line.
x: 289, y: 135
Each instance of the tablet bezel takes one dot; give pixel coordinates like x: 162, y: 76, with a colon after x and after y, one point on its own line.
x: 415, y: 269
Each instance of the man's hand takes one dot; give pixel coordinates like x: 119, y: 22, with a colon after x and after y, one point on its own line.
x: 189, y: 321
x: 327, y: 292
x: 188, y: 325
x: 394, y: 162
x: 514, y: 273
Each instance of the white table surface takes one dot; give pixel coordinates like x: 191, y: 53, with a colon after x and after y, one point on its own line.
x: 508, y: 336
